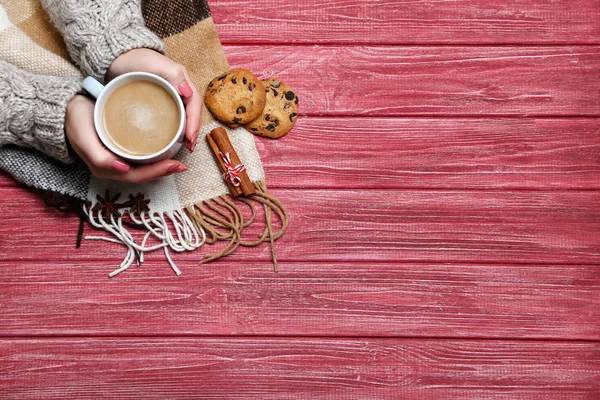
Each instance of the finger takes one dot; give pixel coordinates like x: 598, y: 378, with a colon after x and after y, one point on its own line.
x: 193, y: 112
x: 185, y: 89
x: 150, y: 172
x: 97, y: 155
x: 192, y: 116
x: 140, y: 174
x: 193, y: 103
x: 176, y: 75
x: 90, y: 149
x: 144, y: 173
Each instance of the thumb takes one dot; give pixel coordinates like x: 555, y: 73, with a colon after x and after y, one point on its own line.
x: 95, y: 154
x: 149, y: 172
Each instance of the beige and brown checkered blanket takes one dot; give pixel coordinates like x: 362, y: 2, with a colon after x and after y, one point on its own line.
x: 185, y: 211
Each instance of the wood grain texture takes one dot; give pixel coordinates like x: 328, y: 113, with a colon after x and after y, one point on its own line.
x: 443, y: 186
x: 6, y: 180
x: 435, y: 153
x: 298, y: 368
x: 432, y: 153
x: 353, y: 225
x: 408, y: 22
x: 432, y: 80
x: 304, y: 299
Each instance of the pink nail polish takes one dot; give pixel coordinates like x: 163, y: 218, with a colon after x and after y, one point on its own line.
x: 173, y: 168
x: 185, y: 89
x: 193, y: 142
x: 120, y: 167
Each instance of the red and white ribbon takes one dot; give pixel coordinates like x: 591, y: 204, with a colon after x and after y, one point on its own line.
x: 232, y: 173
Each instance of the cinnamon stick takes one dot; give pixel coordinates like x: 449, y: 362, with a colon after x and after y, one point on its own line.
x: 219, y: 143
x: 236, y: 191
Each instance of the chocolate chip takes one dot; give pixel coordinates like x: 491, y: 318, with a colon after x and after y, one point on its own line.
x: 270, y: 128
x: 251, y: 87
x: 276, y: 122
x: 234, y: 80
x: 290, y: 95
x: 236, y: 120
x: 222, y: 77
x: 293, y: 117
x: 275, y: 83
x: 296, y: 100
x: 267, y: 117
x: 275, y: 93
x: 244, y: 80
x: 211, y: 84
x: 254, y: 129
x: 240, y: 110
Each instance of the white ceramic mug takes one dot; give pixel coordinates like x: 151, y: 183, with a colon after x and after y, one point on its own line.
x: 101, y: 93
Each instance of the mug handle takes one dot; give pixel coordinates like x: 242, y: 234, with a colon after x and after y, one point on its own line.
x: 92, y: 86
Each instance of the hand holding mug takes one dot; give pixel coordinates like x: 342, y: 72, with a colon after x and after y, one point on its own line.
x: 146, y: 60
x: 81, y: 133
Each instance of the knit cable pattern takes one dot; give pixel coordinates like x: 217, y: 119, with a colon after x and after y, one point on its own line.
x: 97, y: 31
x: 32, y: 110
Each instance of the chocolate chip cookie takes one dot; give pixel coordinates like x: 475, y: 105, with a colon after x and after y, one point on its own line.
x: 280, y: 112
x: 235, y: 97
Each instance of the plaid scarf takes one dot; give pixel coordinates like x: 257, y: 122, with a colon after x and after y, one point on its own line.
x: 176, y: 213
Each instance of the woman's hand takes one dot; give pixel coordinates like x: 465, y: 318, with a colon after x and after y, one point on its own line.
x: 146, y: 60
x: 81, y: 133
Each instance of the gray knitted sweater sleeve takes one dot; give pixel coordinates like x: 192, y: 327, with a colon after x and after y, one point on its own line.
x: 32, y: 107
x: 97, y: 31
x: 32, y: 110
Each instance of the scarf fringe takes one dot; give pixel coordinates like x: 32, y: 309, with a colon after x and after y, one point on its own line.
x: 222, y: 219
x: 181, y: 236
x: 210, y: 221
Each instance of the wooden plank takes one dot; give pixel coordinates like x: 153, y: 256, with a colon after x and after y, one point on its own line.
x: 408, y: 22
x: 6, y: 180
x: 433, y: 80
x: 432, y: 153
x: 356, y: 225
x: 298, y: 368
x: 304, y: 299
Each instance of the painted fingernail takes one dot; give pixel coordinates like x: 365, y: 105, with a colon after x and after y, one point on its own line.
x: 185, y: 89
x: 193, y: 142
x: 176, y: 168
x: 120, y: 167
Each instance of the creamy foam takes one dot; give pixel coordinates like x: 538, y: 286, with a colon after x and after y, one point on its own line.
x: 140, y: 118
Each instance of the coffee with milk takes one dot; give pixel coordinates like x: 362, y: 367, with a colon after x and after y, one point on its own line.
x: 140, y: 118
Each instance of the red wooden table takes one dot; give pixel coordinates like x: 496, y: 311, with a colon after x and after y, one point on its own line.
x: 443, y: 182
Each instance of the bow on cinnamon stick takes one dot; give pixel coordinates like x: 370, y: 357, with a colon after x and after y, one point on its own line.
x: 234, y: 172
